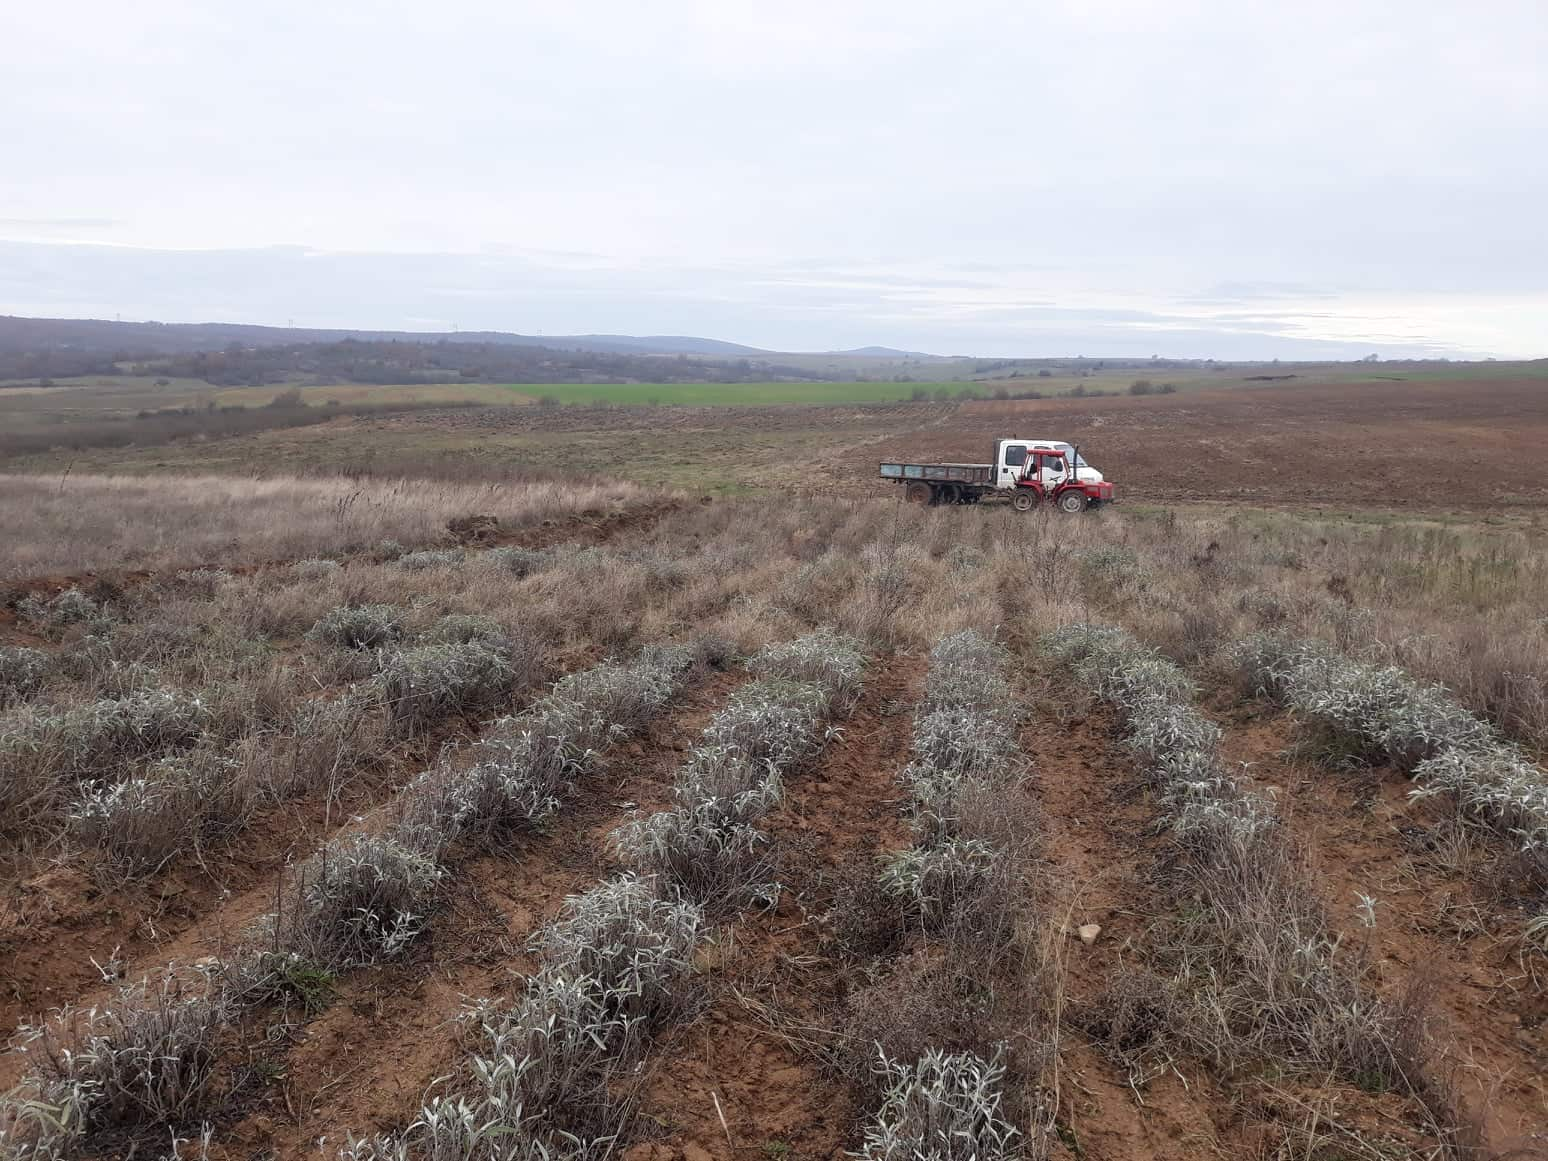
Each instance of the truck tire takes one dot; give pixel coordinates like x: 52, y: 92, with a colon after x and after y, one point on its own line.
x: 948, y: 494
x: 1072, y: 500
x: 1024, y: 500
x: 919, y: 492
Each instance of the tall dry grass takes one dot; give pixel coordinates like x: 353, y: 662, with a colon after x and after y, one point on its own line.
x: 70, y: 524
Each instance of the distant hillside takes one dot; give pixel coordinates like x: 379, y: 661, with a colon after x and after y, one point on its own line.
x: 883, y: 353
x: 231, y: 355
x: 103, y: 336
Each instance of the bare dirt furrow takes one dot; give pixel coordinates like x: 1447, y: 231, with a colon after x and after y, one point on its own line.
x: 746, y: 1076
x: 1436, y: 919
x: 390, y: 1036
x: 1098, y: 867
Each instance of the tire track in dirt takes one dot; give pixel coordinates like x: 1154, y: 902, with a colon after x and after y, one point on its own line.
x: 1433, y: 922
x: 1097, y: 865
x: 745, y: 1074
x: 367, y: 1063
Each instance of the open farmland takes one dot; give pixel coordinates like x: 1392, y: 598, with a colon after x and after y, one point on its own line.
x: 1416, y: 447
x: 723, y: 829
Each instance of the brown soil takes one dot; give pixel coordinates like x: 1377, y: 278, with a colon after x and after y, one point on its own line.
x: 1436, y: 919
x: 746, y: 1076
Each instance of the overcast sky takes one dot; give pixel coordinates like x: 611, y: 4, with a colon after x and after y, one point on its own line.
x: 1182, y: 177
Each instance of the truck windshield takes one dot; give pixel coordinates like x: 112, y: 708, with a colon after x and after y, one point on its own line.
x: 1080, y: 461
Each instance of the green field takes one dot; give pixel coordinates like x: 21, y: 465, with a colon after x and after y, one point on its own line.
x: 727, y: 394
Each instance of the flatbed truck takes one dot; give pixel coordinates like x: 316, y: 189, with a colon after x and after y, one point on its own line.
x: 1026, y: 473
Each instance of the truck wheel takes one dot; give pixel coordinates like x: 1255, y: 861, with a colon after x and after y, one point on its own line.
x: 1073, y: 500
x: 948, y: 495
x: 1024, y: 500
x: 918, y: 492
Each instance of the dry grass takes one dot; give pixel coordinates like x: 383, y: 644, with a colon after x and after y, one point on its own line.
x: 72, y: 524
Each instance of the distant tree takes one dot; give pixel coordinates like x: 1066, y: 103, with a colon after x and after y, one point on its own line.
x: 1141, y: 387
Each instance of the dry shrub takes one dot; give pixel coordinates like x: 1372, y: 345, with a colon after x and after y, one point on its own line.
x: 359, y: 627
x: 145, y: 1060
x: 360, y: 899
x: 322, y: 744
x: 22, y: 672
x: 138, y: 825
x: 934, y: 998
x: 424, y: 684
x: 864, y: 920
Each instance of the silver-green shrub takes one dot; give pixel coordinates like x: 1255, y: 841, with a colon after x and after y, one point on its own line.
x: 524, y: 764
x: 145, y: 1058
x: 1384, y: 714
x: 933, y: 881
x: 314, y: 569
x: 360, y: 899
x: 431, y: 558
x: 59, y: 612
x: 22, y: 672
x: 139, y: 824
x: 1177, y: 744
x: 942, y: 1107
x: 359, y: 627
x: 519, y: 562
x: 424, y: 684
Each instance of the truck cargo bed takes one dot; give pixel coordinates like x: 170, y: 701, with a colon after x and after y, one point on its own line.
x: 940, y: 473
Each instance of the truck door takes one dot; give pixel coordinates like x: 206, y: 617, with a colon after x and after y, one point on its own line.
x: 1012, y: 457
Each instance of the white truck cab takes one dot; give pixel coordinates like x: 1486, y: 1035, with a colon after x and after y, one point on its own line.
x: 1010, y: 457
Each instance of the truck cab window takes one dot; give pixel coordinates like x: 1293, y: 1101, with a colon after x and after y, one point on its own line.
x: 1015, y: 455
